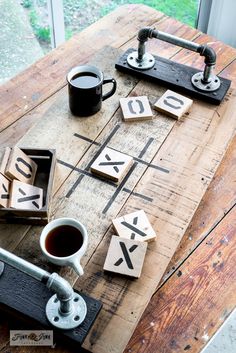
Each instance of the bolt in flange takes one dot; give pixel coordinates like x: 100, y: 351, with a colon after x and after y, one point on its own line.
x: 66, y: 309
x: 70, y: 320
x: 147, y: 61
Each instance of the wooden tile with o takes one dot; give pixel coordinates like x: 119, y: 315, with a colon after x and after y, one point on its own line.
x: 134, y: 225
x: 111, y: 164
x: 125, y: 256
x: 21, y: 167
x: 173, y: 104
x: 136, y: 108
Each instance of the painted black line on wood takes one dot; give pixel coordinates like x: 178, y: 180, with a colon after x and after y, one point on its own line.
x: 147, y: 198
x: 93, y: 159
x: 4, y: 187
x: 135, y: 158
x: 151, y: 165
x: 116, y: 193
x: 126, y: 255
x: 109, y: 182
x: 85, y: 173
x: 141, y: 154
x: 72, y: 189
x: 134, y: 229
x: 29, y: 198
x: 87, y: 139
x: 108, y: 139
x: 22, y: 191
x: 144, y: 150
x: 111, y: 163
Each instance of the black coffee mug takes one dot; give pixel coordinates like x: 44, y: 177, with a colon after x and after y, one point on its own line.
x: 85, y: 90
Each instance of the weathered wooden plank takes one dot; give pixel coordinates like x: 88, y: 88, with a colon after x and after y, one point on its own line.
x: 191, y: 152
x: 188, y: 310
x: 35, y: 84
x: 230, y: 72
x: 89, y: 283
x: 66, y: 131
x: 12, y: 134
x: 57, y: 105
x: 217, y: 201
x: 90, y: 189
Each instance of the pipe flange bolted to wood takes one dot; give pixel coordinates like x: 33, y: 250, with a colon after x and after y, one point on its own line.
x: 66, y: 321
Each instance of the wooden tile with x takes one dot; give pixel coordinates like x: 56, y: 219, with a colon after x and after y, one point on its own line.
x: 4, y: 191
x: 134, y: 225
x: 125, y: 256
x: 111, y: 164
x: 25, y: 196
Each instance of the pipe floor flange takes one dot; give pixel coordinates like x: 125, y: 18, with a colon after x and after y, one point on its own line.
x: 147, y: 62
x: 213, y: 85
x: 66, y: 322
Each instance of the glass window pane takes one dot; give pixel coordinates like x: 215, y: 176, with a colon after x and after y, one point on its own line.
x: 18, y: 37
x: 25, y: 29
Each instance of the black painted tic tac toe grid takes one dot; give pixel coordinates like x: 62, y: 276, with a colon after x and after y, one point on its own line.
x: 121, y: 186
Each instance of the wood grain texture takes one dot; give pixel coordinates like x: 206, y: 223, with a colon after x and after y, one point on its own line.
x: 216, y: 203
x: 188, y: 309
x: 123, y: 310
x: 174, y: 202
x: 48, y: 75
x: 34, y: 111
x: 218, y: 200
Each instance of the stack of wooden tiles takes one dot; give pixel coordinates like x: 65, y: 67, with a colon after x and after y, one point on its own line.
x: 17, y: 174
x: 127, y: 251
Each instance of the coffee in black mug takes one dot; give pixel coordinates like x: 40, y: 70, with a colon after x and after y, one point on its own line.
x: 85, y: 90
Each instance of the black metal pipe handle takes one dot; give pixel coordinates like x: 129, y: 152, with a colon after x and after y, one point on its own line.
x: 205, y: 81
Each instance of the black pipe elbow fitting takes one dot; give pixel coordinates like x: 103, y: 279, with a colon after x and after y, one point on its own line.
x: 209, y: 53
x: 144, y: 34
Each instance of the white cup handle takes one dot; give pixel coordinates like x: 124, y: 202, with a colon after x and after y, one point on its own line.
x: 77, y: 267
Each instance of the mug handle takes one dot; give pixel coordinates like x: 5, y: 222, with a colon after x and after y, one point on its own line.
x: 77, y: 267
x: 112, y: 91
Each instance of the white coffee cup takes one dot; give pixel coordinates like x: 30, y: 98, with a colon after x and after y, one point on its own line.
x: 73, y: 259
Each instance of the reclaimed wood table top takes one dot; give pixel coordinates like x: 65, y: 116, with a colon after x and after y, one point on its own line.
x: 183, y: 177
